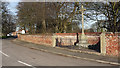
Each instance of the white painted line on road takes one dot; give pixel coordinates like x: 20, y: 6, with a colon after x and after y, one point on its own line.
x: 4, y: 54
x: 26, y: 64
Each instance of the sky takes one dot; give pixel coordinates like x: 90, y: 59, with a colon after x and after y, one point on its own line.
x: 12, y: 6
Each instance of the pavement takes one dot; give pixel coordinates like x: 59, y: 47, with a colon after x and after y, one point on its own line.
x: 98, y: 58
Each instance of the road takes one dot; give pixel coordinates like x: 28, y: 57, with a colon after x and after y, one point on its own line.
x: 15, y: 55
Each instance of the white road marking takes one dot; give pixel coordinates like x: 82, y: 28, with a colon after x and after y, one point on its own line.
x: 4, y: 54
x: 26, y: 64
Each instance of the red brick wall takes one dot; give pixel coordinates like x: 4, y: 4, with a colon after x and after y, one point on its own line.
x: 66, y: 39
x: 92, y: 40
x: 63, y: 39
x: 73, y: 34
x: 112, y: 44
x: 37, y: 39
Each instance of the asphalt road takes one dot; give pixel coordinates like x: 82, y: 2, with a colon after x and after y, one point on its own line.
x: 15, y: 55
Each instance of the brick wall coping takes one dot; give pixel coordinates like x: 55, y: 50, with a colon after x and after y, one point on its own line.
x: 76, y: 33
x: 97, y: 34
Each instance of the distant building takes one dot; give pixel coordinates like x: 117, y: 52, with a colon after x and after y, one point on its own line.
x: 19, y: 32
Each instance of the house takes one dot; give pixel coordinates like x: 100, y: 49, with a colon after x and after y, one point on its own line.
x: 19, y: 32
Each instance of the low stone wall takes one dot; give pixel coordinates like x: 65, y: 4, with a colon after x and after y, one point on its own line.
x: 37, y: 39
x: 112, y: 44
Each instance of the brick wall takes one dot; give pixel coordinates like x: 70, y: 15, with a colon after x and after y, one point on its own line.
x: 66, y: 39
x: 37, y: 39
x: 63, y: 39
x: 112, y: 44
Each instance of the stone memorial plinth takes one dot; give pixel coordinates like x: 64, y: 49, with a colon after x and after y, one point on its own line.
x: 83, y: 41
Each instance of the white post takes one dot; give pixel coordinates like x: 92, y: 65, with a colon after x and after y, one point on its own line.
x: 53, y: 40
x: 102, y: 44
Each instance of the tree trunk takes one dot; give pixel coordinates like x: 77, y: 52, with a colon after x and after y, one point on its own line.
x: 115, y: 28
x: 38, y: 28
x: 44, y: 26
x: 43, y: 21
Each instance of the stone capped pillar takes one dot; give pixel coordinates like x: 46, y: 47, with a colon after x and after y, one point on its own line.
x: 102, y: 44
x: 53, y: 40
